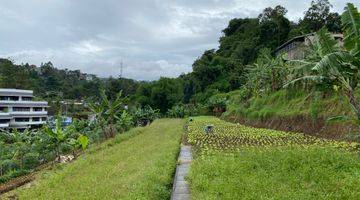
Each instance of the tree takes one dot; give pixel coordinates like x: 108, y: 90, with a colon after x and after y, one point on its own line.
x: 267, y: 73
x: 107, y: 112
x: 333, y: 23
x: 165, y: 93
x: 340, y: 66
x: 315, y: 17
x: 240, y: 41
x: 274, y: 27
x: 319, y: 15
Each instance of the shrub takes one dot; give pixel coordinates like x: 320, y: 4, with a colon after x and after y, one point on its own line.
x: 144, y: 116
x: 125, y: 122
x: 217, y: 103
x: 181, y: 111
x: 31, y: 160
x: 177, y: 111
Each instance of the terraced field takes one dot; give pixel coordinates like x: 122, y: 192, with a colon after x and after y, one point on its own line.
x: 230, y: 136
x: 237, y: 162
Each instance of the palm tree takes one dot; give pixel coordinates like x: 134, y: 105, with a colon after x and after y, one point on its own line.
x: 338, y: 66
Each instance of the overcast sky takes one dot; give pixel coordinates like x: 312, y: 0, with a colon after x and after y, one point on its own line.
x: 152, y: 38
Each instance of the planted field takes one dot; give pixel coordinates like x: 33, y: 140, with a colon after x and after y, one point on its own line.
x: 136, y: 165
x: 238, y: 162
x: 230, y: 136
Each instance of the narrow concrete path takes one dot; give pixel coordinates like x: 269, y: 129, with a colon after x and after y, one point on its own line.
x: 180, y: 187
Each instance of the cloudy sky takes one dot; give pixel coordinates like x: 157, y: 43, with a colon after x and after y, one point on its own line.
x: 152, y: 38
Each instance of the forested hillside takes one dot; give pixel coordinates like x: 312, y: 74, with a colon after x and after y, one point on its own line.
x: 243, y: 61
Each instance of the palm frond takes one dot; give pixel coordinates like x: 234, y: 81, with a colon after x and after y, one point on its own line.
x: 325, y: 42
x: 315, y: 78
x: 351, y: 25
x: 334, y: 64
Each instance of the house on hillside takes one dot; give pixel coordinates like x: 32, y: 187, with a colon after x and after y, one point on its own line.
x: 19, y: 110
x: 295, y: 48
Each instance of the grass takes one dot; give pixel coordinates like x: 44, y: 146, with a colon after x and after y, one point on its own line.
x: 290, y: 173
x: 250, y: 163
x: 136, y: 165
x: 285, y: 103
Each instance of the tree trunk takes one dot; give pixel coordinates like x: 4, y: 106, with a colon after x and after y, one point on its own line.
x: 354, y: 103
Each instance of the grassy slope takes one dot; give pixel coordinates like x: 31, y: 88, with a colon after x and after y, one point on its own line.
x: 135, y: 165
x: 284, y: 104
x: 287, y: 172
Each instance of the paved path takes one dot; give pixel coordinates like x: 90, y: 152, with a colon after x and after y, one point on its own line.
x: 181, y: 188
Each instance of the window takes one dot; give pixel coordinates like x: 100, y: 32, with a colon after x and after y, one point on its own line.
x: 4, y: 121
x: 22, y: 119
x: 26, y: 98
x: 13, y: 98
x: 3, y: 98
x: 43, y: 119
x: 36, y: 119
x: 4, y: 109
x: 21, y: 109
x: 37, y: 109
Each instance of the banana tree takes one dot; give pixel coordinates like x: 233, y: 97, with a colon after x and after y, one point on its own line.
x: 107, y: 112
x: 339, y: 66
x: 267, y: 73
x: 57, y: 136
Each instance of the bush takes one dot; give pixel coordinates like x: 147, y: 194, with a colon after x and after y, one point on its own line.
x: 144, y: 116
x: 31, y: 160
x: 177, y: 111
x: 217, y: 103
x: 8, y: 165
x: 21, y: 153
x: 125, y: 122
x: 181, y: 111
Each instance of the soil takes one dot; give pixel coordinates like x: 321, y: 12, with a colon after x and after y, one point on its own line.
x: 303, y: 124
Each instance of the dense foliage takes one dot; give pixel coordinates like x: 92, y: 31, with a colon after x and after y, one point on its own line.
x: 21, y: 153
x: 138, y: 164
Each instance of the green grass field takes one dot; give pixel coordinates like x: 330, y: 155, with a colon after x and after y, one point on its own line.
x: 136, y: 165
x: 239, y: 162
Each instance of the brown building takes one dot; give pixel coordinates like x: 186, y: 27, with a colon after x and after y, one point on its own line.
x: 295, y: 48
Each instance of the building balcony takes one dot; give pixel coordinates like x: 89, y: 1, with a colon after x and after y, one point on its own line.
x: 5, y: 125
x: 25, y: 103
x: 29, y: 113
x: 27, y: 123
x: 5, y: 115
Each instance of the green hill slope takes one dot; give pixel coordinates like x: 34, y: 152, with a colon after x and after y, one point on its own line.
x: 136, y: 165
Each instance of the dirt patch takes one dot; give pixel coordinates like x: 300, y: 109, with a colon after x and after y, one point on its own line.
x: 319, y: 127
x: 17, y: 182
x: 28, y: 178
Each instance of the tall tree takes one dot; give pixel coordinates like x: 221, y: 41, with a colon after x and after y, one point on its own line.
x: 274, y: 27
x: 318, y: 16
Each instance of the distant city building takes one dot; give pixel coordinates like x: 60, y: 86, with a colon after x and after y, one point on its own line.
x: 19, y: 110
x: 295, y: 48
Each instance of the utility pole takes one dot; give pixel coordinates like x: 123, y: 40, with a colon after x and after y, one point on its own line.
x: 121, y: 69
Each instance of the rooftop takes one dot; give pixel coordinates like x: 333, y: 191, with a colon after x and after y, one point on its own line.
x: 335, y: 35
x: 10, y: 91
x: 15, y: 90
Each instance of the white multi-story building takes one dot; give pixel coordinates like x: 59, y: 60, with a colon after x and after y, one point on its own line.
x: 18, y: 110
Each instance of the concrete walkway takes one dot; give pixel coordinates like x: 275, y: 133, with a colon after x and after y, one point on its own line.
x: 181, y: 188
